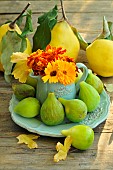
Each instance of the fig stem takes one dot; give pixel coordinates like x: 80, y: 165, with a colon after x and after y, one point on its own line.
x: 63, y: 10
x: 11, y: 25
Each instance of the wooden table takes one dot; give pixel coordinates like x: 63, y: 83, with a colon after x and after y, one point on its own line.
x: 86, y: 16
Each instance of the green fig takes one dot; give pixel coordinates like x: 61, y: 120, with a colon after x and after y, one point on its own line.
x: 75, y: 109
x: 89, y: 95
x: 31, y: 81
x: 52, y: 111
x: 28, y: 107
x: 22, y: 91
x: 82, y: 136
x: 95, y: 81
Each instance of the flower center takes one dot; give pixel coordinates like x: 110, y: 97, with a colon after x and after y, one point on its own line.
x: 53, y: 73
x: 65, y: 72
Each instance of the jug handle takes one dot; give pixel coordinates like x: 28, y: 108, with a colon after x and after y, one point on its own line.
x: 84, y: 76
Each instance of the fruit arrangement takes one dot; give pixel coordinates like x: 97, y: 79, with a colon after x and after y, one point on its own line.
x: 53, y: 57
x: 53, y: 110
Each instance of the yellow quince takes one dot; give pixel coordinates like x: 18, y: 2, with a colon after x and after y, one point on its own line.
x: 100, y: 57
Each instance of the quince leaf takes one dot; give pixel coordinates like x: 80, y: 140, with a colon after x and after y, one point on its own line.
x: 51, y: 15
x: 28, y: 140
x: 28, y: 25
x: 10, y: 43
x: 109, y: 87
x: 83, y: 43
x: 106, y: 31
x: 62, y: 149
x: 42, y: 35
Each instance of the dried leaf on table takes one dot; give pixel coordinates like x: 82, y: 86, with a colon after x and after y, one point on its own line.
x: 62, y: 149
x: 28, y: 140
x: 109, y: 87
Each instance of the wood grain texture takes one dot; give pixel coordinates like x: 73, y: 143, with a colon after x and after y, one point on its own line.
x: 86, y: 16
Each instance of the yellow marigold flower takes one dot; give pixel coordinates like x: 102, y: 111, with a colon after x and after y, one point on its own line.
x: 51, y: 73
x: 21, y: 70
x: 67, y: 72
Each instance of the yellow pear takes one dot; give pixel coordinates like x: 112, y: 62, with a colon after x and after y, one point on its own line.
x: 4, y: 29
x: 63, y: 36
x: 100, y: 57
x: 14, y: 27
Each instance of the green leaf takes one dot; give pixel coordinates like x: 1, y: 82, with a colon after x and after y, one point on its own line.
x: 28, y: 25
x: 42, y: 35
x: 23, y: 45
x: 19, y: 21
x: 7, y: 78
x: 110, y: 25
x: 83, y: 43
x: 41, y: 39
x: 10, y: 43
x: 52, y: 14
x: 106, y: 31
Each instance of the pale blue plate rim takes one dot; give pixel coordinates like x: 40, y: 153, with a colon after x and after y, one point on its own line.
x: 34, y: 125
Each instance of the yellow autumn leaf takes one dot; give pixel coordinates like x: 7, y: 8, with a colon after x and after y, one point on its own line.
x: 18, y: 56
x: 109, y: 87
x: 28, y: 140
x: 62, y: 149
x: 21, y: 70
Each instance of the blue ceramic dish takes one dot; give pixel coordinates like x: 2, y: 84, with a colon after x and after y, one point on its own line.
x: 34, y: 125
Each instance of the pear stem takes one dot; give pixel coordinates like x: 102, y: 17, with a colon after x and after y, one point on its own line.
x: 63, y: 10
x: 12, y: 24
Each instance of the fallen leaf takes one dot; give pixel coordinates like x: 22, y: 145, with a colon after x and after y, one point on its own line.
x: 109, y: 87
x: 62, y: 149
x: 28, y: 140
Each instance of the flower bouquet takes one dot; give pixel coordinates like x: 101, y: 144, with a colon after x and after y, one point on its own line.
x: 51, y: 64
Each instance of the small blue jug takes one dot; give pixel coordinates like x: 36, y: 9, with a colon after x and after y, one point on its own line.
x: 60, y: 90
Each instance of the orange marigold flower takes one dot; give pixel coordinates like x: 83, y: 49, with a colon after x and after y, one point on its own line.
x: 39, y: 60
x: 67, y: 72
x: 49, y: 62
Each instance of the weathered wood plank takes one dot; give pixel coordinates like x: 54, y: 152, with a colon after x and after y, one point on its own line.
x: 86, y: 16
x: 70, y: 6
x: 94, y: 158
x: 89, y: 25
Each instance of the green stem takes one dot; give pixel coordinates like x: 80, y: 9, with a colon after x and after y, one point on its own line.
x: 12, y: 24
